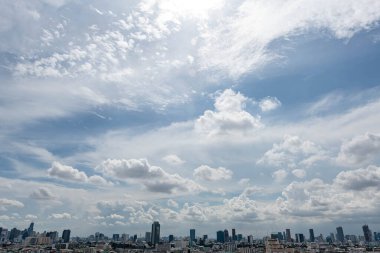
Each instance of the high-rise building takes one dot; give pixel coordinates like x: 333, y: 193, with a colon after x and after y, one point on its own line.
x: 367, y: 233
x: 66, y: 235
x: 171, y: 238
x: 205, y: 237
x: 115, y: 237
x: 148, y: 237
x: 311, y: 235
x: 234, y: 237
x: 300, y: 238
x: 192, y: 236
x: 339, y: 234
x: 288, y: 235
x: 155, y: 237
x: 226, y: 236
x: 30, y: 229
x: 220, y: 236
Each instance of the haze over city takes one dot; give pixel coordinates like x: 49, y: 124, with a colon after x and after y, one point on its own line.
x: 206, y: 115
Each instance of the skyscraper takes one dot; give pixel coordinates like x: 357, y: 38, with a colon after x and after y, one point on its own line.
x: 220, y: 236
x: 234, y: 237
x: 339, y: 234
x: 148, y: 236
x: 226, y: 236
x: 30, y: 229
x: 155, y: 233
x: 192, y: 236
x: 66, y: 235
x: 288, y: 235
x: 311, y: 234
x: 367, y: 233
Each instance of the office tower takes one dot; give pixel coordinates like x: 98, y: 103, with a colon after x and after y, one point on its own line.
x: 30, y: 229
x: 250, y: 239
x: 339, y: 234
x: 239, y: 237
x: 155, y: 237
x: 226, y: 236
x: 234, y: 237
x: 135, y: 238
x: 279, y: 236
x: 205, y: 237
x: 115, y: 237
x: 148, y: 236
x: 311, y: 235
x: 66, y: 235
x: 171, y: 238
x: 125, y: 237
x: 192, y: 236
x: 288, y: 235
x: 220, y: 236
x: 367, y: 233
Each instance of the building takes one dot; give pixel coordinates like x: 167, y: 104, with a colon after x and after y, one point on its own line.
x: 288, y: 235
x: 340, y: 234
x: 300, y: 238
x: 367, y: 233
x: 171, y: 238
x: 226, y: 236
x: 234, y: 237
x: 220, y: 236
x: 192, y: 237
x: 155, y: 236
x: 148, y: 237
x: 30, y: 229
x: 66, y: 235
x: 115, y: 237
x: 311, y: 235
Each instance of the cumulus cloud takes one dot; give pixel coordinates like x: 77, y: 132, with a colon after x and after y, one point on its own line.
x: 269, y: 104
x: 280, y: 175
x: 61, y: 216
x: 42, y: 193
x: 69, y: 173
x: 4, y: 203
x: 154, y: 178
x: 30, y: 217
x: 172, y: 203
x: 359, y: 179
x: 300, y: 173
x: 362, y: 149
x: 173, y: 159
x: 229, y: 116
x: 292, y: 152
x: 116, y: 216
x: 212, y: 174
x: 65, y: 172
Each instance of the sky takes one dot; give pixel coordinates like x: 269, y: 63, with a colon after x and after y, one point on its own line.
x: 255, y: 115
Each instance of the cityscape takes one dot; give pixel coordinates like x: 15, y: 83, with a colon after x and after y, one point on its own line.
x: 190, y: 126
x: 28, y: 240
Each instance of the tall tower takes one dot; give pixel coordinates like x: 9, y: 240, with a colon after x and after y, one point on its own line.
x: 192, y: 236
x: 220, y: 236
x: 30, y: 229
x: 66, y: 235
x: 155, y: 233
x: 288, y: 235
x: 367, y: 233
x: 234, y: 237
x: 226, y: 236
x: 339, y: 234
x: 311, y: 233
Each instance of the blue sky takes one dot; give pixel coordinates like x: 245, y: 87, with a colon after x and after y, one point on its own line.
x: 259, y: 115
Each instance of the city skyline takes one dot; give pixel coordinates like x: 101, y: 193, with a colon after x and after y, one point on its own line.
x: 246, y: 114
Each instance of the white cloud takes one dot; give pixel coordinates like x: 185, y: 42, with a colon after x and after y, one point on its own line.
x: 269, y: 104
x: 292, y: 152
x: 61, y: 216
x: 229, y: 116
x: 173, y: 159
x: 172, y: 203
x: 69, y: 173
x: 30, y: 217
x: 252, y: 28
x: 5, y: 217
x: 116, y: 216
x: 10, y: 203
x: 280, y: 175
x: 362, y: 149
x: 212, y: 174
x: 300, y: 173
x: 359, y: 179
x: 65, y: 172
x: 42, y: 193
x: 154, y: 178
